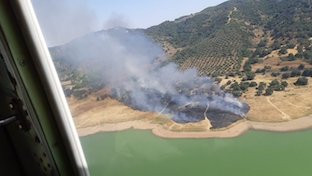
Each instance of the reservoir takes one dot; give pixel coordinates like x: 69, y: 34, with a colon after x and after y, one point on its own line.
x: 256, y: 153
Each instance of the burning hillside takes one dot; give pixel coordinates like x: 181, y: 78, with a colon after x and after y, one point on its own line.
x: 132, y: 66
x: 190, y: 101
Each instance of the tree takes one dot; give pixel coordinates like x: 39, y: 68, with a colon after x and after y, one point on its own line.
x: 284, y: 83
x: 253, y: 84
x: 276, y: 45
x: 283, y: 51
x: 267, y: 67
x: 237, y: 93
x: 253, y: 60
x: 291, y: 45
x: 260, y: 70
x: 307, y: 55
x: 80, y: 93
x: 262, y: 43
x: 279, y: 88
x: 300, y: 49
x: 228, y: 82
x: 231, y: 74
x: 301, y: 67
x: 299, y: 55
x: 246, y: 53
x: 269, y: 91
x: 262, y: 85
x: 68, y: 92
x: 291, y: 57
x: 275, y: 74
x: 302, y: 81
x: 260, y: 88
x: 235, y: 86
x: 214, y: 75
x: 274, y: 82
x: 247, y: 67
x: 283, y: 69
x: 307, y: 72
x: 259, y: 92
x: 250, y: 75
x: 295, y: 73
x: 276, y: 86
x: 285, y: 75
x: 244, y: 86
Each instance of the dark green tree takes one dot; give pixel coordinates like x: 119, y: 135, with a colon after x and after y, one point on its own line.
x: 283, y: 50
x: 285, y: 75
x: 302, y: 81
x: 301, y: 67
x: 253, y: 84
x: 295, y: 73
x: 284, y: 83
x: 269, y: 91
x: 250, y: 75
x: 283, y: 69
x: 307, y: 72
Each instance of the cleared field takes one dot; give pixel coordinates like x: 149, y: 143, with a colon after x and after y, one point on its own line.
x: 89, y: 112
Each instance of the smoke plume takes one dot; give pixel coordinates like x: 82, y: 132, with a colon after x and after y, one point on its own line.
x: 64, y: 20
x: 116, y: 20
x: 131, y: 64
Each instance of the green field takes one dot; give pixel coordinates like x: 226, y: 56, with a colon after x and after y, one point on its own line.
x: 140, y: 153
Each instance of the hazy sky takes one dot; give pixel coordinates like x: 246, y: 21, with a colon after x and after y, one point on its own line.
x: 145, y: 13
x: 64, y: 20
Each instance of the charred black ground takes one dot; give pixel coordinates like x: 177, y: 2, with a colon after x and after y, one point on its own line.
x: 203, y: 101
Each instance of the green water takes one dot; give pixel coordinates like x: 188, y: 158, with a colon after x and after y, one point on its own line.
x: 140, y: 153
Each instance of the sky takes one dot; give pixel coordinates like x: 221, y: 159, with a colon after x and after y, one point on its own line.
x: 64, y: 20
x: 146, y: 13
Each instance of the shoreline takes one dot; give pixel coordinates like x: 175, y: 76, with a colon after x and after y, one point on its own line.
x: 237, y: 129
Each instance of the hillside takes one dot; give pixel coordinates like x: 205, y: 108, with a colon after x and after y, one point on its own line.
x: 216, y: 40
x: 260, y: 51
x: 219, y: 40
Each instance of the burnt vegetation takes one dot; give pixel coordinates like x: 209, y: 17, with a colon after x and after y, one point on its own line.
x: 220, y: 113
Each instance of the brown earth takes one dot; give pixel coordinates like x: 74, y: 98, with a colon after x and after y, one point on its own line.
x: 293, y: 103
x: 274, y: 60
x: 169, y: 49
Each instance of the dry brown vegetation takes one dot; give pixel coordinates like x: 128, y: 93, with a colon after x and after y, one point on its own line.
x: 293, y: 103
x: 274, y: 61
x: 169, y: 49
x: 89, y: 112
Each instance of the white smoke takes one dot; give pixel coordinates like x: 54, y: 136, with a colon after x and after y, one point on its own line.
x: 116, y: 20
x: 64, y: 20
x: 131, y: 64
